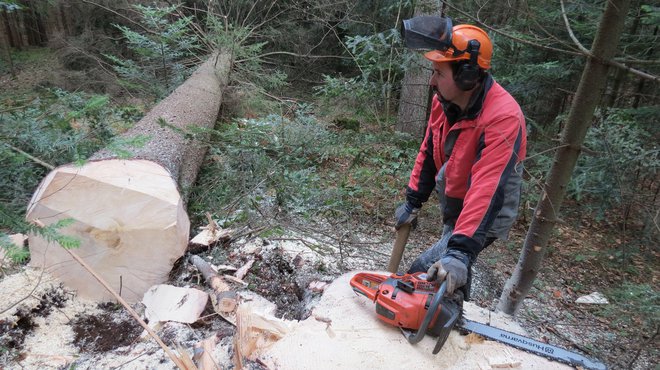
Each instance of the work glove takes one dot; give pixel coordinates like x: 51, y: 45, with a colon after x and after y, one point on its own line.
x: 450, y: 267
x: 406, y: 214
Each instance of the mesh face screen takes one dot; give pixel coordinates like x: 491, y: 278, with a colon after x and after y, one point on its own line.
x: 427, y: 32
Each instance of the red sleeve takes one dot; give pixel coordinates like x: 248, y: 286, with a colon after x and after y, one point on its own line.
x: 422, y: 177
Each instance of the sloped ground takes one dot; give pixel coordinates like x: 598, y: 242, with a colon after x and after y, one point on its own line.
x: 45, y: 326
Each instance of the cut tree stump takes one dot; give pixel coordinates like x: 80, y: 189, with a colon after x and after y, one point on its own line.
x: 129, y: 214
x: 343, y: 332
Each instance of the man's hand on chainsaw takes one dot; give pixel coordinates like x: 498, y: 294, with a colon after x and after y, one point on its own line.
x: 406, y: 214
x: 449, y: 268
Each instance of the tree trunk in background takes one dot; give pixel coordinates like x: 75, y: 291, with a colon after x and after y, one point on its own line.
x: 129, y: 214
x: 414, y: 104
x: 54, y: 23
x: 639, y: 91
x: 6, y: 46
x: 10, y: 30
x: 620, y: 75
x: 589, y: 92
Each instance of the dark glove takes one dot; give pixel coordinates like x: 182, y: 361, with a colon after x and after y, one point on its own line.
x: 451, y: 267
x: 406, y: 214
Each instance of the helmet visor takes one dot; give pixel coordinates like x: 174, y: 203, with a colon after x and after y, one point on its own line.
x: 427, y: 32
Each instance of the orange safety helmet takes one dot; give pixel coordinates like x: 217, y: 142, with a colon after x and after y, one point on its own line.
x: 461, y: 36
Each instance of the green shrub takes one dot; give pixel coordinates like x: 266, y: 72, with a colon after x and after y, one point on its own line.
x: 156, y: 62
x: 622, y: 160
x: 299, y: 166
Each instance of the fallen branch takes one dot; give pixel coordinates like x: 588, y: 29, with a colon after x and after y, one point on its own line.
x: 31, y: 157
x: 224, y: 300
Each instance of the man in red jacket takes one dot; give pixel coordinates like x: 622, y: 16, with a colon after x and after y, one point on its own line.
x: 472, y: 152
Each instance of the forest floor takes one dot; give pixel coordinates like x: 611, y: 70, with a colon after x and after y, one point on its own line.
x: 43, y: 325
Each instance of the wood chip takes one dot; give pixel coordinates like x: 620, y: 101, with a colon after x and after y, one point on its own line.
x: 473, y: 338
x: 169, y: 303
x: 203, y: 353
x: 317, y: 286
x: 236, y: 280
x: 505, y: 360
x: 241, y: 272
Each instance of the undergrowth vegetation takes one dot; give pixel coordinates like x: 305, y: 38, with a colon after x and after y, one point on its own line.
x: 300, y: 166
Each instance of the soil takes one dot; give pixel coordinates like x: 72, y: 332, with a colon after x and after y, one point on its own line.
x: 104, y: 332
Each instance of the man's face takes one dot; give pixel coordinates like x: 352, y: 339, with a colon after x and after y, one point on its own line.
x: 442, y: 82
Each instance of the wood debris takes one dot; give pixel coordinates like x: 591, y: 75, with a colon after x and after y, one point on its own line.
x: 504, y: 360
x: 169, y: 303
x: 593, y: 298
x: 256, y: 329
x: 224, y: 300
x: 241, y: 272
x: 209, y: 236
x: 236, y: 280
x: 473, y: 338
x: 203, y: 353
x: 317, y: 286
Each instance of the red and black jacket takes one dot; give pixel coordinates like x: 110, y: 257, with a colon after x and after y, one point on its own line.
x: 477, y: 149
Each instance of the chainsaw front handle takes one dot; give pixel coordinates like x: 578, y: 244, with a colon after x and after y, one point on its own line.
x: 433, y: 308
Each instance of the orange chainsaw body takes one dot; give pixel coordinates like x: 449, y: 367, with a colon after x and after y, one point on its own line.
x: 401, y: 299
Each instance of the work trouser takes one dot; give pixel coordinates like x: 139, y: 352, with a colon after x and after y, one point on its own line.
x: 437, y: 250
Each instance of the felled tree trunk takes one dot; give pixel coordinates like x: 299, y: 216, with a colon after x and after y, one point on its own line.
x: 129, y: 214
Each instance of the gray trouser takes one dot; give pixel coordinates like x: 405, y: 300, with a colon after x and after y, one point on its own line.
x: 433, y: 254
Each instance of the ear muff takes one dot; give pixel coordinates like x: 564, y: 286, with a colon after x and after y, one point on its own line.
x: 468, y: 73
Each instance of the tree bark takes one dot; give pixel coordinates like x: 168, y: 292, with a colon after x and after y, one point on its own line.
x: 414, y: 104
x: 6, y: 46
x: 589, y: 91
x: 129, y: 214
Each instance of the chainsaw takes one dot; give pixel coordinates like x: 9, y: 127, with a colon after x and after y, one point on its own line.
x: 419, y: 307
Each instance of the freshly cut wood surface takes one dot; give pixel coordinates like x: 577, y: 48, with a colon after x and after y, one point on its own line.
x: 344, y: 333
x: 128, y: 216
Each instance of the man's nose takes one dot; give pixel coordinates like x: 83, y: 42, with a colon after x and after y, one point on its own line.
x: 433, y: 81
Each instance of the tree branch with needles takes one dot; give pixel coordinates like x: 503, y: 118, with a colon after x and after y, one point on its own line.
x: 588, y: 54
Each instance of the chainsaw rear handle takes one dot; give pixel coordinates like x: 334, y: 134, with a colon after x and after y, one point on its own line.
x: 367, y: 284
x: 433, y: 308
